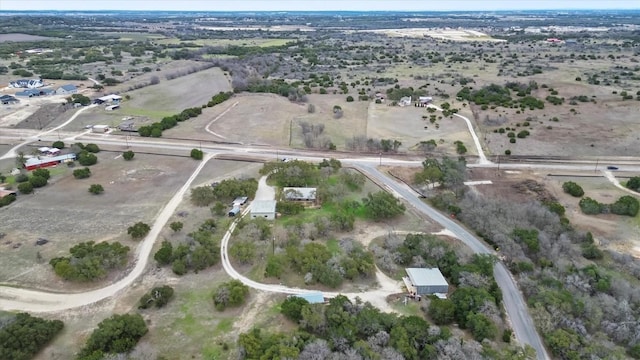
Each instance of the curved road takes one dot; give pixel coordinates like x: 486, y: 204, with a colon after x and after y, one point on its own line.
x: 12, y: 298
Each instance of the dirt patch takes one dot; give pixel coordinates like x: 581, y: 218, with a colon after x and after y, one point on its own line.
x: 45, y: 115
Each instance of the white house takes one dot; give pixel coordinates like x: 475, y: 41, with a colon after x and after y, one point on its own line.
x: 423, y: 281
x: 67, y: 89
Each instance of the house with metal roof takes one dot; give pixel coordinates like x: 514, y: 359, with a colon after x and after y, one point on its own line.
x: 67, y: 89
x: 8, y: 99
x: 299, y: 193
x: 265, y: 209
x: 423, y: 281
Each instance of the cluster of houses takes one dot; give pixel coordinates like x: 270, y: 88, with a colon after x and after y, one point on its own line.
x: 62, y: 90
x: 266, y: 209
x: 422, y: 101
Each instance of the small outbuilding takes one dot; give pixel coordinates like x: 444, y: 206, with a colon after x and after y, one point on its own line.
x: 312, y: 297
x: 8, y: 100
x: 239, y: 201
x: 100, y: 129
x: 265, y: 209
x: 234, y: 211
x: 423, y: 281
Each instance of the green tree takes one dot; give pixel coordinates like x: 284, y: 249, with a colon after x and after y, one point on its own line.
x: 442, y: 312
x: 22, y: 336
x: 176, y: 226
x: 158, y: 297
x: 96, y: 189
x: 92, y: 148
x: 573, y: 189
x: 231, y: 293
x: 37, y: 181
x: 82, y: 173
x: 197, y: 154
x: 128, y: 155
x: 382, y: 205
x: 87, y: 159
x: 275, y: 266
x: 203, y: 196
x: 590, y: 206
x: 164, y: 255
x: 138, y: 230
x: 219, y: 209
x: 89, y: 261
x: 243, y: 251
x: 634, y: 183
x: 43, y: 173
x: 292, y: 308
x: 626, y: 205
x: 58, y: 145
x: 481, y: 327
x: 25, y: 188
x: 117, y: 334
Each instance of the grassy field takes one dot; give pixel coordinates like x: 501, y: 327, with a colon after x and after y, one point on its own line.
x: 66, y: 214
x: 172, y: 96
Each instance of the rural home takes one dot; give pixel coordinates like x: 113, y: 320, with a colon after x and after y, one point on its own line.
x: 299, y: 194
x: 265, y: 209
x: 37, y: 163
x: 423, y: 281
x: 35, y: 92
x: 67, y: 89
x: 8, y: 99
x: 26, y: 83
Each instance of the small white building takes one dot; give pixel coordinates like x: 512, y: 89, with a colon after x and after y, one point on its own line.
x: 100, y: 129
x: 299, y: 194
x: 265, y: 209
x: 405, y: 101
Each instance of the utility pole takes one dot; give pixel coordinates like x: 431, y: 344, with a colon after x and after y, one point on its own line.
x: 596, y: 169
x: 273, y: 245
x: 380, y: 158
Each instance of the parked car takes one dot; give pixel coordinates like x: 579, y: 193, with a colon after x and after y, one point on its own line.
x: 610, y: 167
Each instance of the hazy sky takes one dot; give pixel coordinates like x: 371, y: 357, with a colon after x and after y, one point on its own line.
x: 314, y: 5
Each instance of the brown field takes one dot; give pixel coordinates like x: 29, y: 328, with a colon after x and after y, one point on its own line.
x: 17, y: 37
x: 66, y: 214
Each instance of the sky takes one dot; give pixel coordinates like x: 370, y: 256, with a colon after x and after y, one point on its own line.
x: 317, y: 5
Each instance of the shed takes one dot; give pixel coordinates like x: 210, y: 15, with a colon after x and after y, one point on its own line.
x: 100, y: 128
x: 239, y: 201
x: 265, y: 209
x: 299, y: 193
x: 234, y: 211
x: 67, y: 89
x: 8, y: 99
x: 312, y: 297
x: 425, y: 281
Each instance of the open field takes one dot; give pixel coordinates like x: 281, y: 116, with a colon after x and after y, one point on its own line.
x: 260, y: 42
x: 440, y: 34
x: 66, y: 214
x: 17, y: 37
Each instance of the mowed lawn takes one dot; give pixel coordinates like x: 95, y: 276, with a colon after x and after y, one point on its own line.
x: 172, y: 96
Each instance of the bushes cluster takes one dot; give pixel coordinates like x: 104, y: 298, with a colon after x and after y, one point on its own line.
x: 158, y: 297
x: 572, y: 189
x: 201, y: 251
x: 625, y: 205
x: 82, y: 173
x: 89, y: 261
x: 22, y: 336
x: 115, y: 335
x: 230, y: 294
x: 168, y: 122
x: 226, y: 190
x: 634, y: 183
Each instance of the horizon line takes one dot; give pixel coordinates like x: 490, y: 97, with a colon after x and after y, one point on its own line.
x: 316, y: 11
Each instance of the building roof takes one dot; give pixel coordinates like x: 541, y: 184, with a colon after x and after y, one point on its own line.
x: 7, y: 97
x: 110, y: 98
x: 69, y: 87
x: 37, y: 161
x: 299, y: 193
x: 44, y: 149
x: 4, y: 193
x: 312, y: 298
x: 100, y: 126
x: 263, y: 206
x: 426, y: 277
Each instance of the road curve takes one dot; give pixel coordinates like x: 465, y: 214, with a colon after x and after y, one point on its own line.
x: 18, y: 299
x: 12, y: 153
x: 513, y: 300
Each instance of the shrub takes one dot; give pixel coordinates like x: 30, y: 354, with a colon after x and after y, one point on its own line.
x: 89, y: 261
x: 626, y: 205
x: 590, y: 206
x: 20, y: 178
x: 92, y: 148
x: 128, y: 155
x: 158, y: 297
x: 232, y: 293
x: 82, y: 173
x: 22, y: 336
x: 512, y: 140
x: 87, y: 159
x: 138, y: 230
x: 634, y: 183
x: 523, y: 134
x: 96, y: 189
x: 197, y: 154
x: 58, y: 144
x: 25, y: 188
x: 349, y: 98
x: 43, y: 173
x: 37, y: 181
x: 572, y: 189
x: 507, y: 152
x: 115, y: 335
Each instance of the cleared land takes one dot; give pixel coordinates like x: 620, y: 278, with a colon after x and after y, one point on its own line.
x: 65, y: 213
